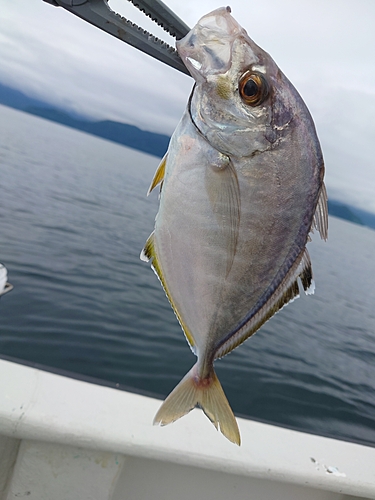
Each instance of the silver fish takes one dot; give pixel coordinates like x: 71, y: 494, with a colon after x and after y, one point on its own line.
x: 242, y: 187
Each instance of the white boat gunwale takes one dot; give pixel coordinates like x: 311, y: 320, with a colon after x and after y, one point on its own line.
x: 46, y: 414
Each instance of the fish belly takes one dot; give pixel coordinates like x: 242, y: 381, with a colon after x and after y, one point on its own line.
x: 223, y: 251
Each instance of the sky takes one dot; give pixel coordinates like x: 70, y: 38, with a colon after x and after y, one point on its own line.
x: 326, y: 48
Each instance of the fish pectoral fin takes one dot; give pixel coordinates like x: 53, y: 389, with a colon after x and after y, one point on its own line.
x: 224, y: 194
x: 320, y: 220
x: 159, y: 174
x: 207, y: 394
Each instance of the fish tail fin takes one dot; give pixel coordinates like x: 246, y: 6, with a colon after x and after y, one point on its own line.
x: 206, y: 394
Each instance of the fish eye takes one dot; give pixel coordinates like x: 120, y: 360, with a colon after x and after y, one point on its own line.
x: 253, y: 88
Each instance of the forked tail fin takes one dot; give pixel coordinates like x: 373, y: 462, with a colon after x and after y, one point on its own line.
x: 205, y: 393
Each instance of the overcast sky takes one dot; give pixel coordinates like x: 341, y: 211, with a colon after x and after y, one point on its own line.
x: 325, y: 47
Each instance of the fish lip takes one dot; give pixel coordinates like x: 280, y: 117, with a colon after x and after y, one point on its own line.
x: 191, y: 61
x: 195, y: 63
x: 207, y: 49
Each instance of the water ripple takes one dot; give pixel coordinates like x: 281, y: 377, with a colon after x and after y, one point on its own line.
x: 73, y: 219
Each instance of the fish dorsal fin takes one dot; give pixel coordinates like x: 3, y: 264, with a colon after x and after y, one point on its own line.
x: 149, y: 254
x: 320, y: 220
x: 286, y: 292
x: 305, y: 274
x: 159, y: 174
x: 224, y: 194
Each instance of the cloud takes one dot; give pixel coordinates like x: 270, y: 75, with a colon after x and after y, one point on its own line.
x: 325, y: 49
x: 51, y: 54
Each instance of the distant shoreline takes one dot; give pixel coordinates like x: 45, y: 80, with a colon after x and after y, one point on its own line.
x: 122, y: 133
x: 140, y: 140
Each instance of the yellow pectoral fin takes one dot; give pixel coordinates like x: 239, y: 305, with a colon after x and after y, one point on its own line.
x: 159, y: 174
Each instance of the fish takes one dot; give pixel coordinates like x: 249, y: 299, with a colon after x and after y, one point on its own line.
x: 241, y: 189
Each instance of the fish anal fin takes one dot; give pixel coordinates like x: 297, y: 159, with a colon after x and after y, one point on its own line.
x: 286, y: 292
x: 206, y: 394
x: 320, y: 220
x: 148, y: 251
x: 224, y: 194
x: 286, y: 297
x: 159, y: 174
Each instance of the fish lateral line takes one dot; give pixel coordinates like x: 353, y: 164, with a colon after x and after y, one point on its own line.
x: 285, y: 293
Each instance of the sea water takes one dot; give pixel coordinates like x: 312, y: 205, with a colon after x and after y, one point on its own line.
x: 74, y: 217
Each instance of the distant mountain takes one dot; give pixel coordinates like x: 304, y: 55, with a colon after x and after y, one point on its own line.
x: 18, y: 100
x: 343, y: 212
x: 351, y: 214
x: 133, y: 137
x: 122, y: 133
x: 367, y: 218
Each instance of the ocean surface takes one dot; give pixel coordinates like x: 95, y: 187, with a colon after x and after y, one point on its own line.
x: 73, y: 219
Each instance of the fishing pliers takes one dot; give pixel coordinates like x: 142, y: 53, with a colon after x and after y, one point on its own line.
x: 98, y: 13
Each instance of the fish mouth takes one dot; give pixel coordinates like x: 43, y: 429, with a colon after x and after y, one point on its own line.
x: 207, y: 48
